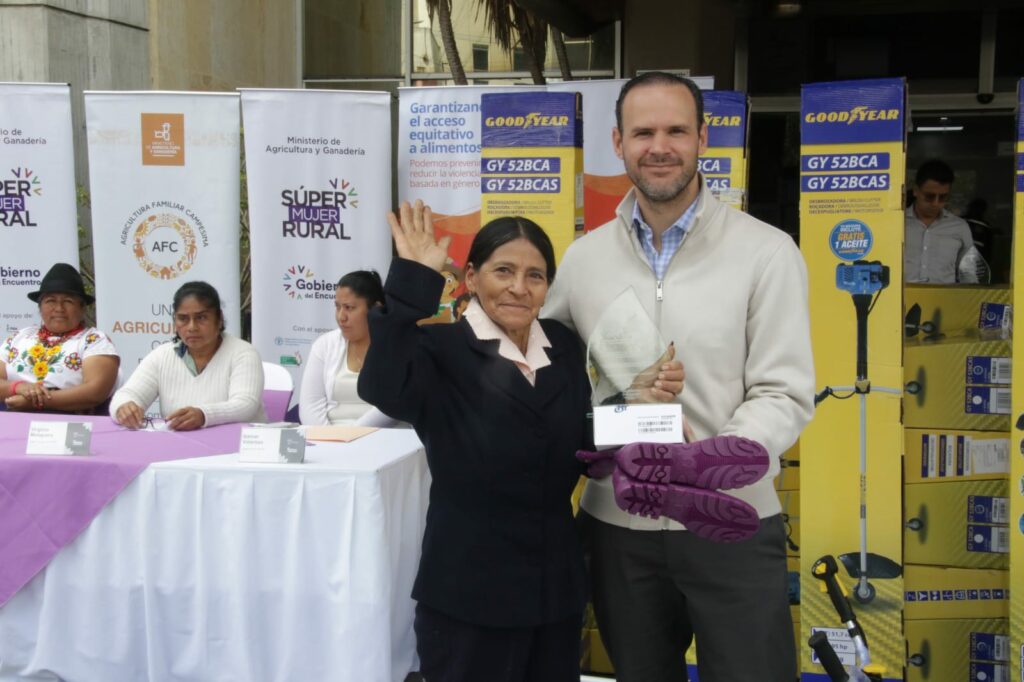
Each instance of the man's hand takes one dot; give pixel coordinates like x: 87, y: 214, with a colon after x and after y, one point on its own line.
x: 659, y: 383
x: 186, y: 419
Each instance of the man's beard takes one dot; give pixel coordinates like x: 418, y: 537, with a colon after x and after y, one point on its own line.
x: 658, y: 193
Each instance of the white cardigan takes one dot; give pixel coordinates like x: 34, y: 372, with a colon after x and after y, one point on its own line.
x: 316, y: 396
x: 229, y: 389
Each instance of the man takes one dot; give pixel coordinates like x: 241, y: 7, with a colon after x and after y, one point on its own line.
x: 731, y: 293
x: 935, y: 240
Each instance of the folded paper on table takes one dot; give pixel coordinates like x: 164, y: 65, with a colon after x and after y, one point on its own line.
x: 338, y: 434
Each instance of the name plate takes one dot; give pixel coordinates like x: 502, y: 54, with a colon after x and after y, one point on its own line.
x: 616, y: 425
x: 59, y: 438
x: 271, y: 446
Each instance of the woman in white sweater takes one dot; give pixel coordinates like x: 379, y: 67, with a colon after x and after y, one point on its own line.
x: 328, y: 394
x: 204, y: 377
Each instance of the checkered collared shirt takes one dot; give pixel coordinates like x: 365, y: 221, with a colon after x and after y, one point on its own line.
x: 671, y: 239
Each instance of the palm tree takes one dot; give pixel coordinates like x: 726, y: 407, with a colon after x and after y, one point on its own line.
x: 443, y: 10
x: 510, y: 25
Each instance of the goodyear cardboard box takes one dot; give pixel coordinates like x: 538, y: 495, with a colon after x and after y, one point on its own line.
x: 955, y: 650
x: 932, y: 592
x: 532, y: 161
x: 961, y: 524
x: 935, y: 455
x: 955, y: 310
x: 958, y: 382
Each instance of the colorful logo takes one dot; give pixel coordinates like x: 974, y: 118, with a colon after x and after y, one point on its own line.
x: 164, y: 245
x: 851, y: 240
x: 163, y: 139
x: 14, y: 195
x: 533, y: 119
x: 301, y: 283
x: 856, y: 114
x: 316, y: 213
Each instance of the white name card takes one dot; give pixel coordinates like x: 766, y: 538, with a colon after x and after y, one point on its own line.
x: 59, y: 438
x: 616, y: 425
x: 267, y: 446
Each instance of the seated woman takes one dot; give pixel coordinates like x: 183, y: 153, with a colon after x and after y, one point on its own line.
x: 204, y: 377
x: 60, y: 365
x: 500, y: 400
x: 328, y: 394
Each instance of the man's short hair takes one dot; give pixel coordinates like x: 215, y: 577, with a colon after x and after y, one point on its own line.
x: 936, y: 170
x: 659, y: 78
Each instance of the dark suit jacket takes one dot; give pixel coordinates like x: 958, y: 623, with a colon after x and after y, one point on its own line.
x: 500, y: 548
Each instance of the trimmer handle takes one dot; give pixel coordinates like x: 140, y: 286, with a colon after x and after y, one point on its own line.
x: 827, y: 657
x: 825, y: 569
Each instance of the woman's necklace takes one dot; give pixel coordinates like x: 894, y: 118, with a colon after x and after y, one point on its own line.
x: 49, y: 339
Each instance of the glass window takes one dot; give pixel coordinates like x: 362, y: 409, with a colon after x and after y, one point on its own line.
x: 480, y: 53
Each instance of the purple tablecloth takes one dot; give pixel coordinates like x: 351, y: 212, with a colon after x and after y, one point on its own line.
x: 45, y: 502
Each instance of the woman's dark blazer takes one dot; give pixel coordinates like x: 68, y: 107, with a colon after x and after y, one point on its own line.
x: 500, y: 548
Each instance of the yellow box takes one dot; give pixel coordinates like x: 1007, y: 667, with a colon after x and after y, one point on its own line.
x: 932, y: 592
x: 953, y: 310
x: 973, y: 649
x: 790, y: 501
x: 938, y: 394
x: 593, y: 656
x: 532, y: 161
x: 936, y: 455
x: 961, y: 524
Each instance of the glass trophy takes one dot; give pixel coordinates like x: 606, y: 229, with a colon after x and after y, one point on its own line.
x: 624, y: 356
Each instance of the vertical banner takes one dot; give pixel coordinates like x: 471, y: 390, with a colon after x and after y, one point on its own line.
x: 164, y: 177
x: 724, y: 165
x: 532, y: 163
x: 439, y: 159
x: 318, y: 164
x: 38, y: 222
x: 852, y: 161
x: 1017, y: 440
x: 604, y: 178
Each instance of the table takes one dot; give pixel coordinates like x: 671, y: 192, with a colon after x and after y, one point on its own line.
x: 209, y: 569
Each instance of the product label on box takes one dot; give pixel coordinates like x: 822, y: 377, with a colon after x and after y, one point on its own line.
x: 995, y: 316
x: 989, y: 672
x: 956, y: 594
x: 988, y: 509
x: 991, y: 539
x: 946, y: 455
x: 985, y: 369
x: 986, y: 400
x: 987, y: 646
x: 991, y: 456
x: 841, y: 643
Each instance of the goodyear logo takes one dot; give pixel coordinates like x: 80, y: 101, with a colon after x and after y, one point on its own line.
x: 722, y: 121
x: 854, y: 115
x: 532, y: 120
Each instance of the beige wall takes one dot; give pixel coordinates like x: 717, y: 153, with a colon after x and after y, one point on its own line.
x: 220, y: 45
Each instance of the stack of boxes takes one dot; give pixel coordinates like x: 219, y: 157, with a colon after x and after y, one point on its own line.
x: 956, y: 466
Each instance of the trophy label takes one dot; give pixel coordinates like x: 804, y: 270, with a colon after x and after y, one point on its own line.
x: 616, y: 425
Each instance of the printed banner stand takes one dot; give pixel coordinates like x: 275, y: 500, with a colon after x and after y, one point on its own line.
x: 318, y: 164
x: 38, y: 220
x: 724, y: 165
x: 852, y: 161
x: 1016, y: 492
x: 164, y: 176
x: 439, y: 162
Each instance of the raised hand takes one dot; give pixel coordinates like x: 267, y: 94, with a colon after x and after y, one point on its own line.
x: 414, y: 236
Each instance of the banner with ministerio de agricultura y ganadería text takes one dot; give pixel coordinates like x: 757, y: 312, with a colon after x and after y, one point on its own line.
x: 318, y: 165
x: 38, y: 223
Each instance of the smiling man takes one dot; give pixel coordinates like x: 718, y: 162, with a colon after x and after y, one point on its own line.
x: 731, y: 293
x: 935, y: 240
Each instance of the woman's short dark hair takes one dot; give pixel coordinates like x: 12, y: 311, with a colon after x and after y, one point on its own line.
x: 501, y: 231
x: 365, y: 284
x: 202, y: 292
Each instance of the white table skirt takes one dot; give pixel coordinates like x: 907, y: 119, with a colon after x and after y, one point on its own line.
x: 207, y: 569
